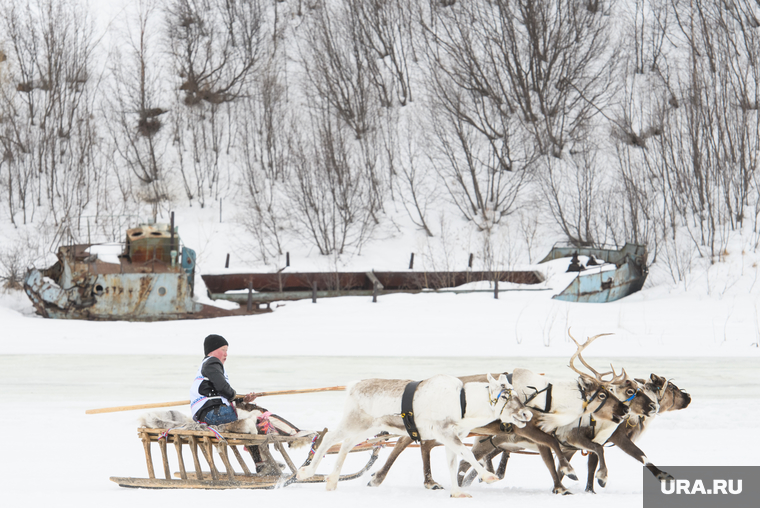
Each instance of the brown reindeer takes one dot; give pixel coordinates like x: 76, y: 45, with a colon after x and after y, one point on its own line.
x: 583, y: 435
x: 669, y: 398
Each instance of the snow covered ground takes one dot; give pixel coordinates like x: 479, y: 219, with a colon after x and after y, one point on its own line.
x: 704, y: 337
x: 52, y: 371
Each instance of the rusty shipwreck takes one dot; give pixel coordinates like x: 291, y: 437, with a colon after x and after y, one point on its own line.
x: 149, y: 277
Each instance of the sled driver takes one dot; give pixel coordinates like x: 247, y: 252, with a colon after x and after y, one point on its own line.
x: 211, y: 395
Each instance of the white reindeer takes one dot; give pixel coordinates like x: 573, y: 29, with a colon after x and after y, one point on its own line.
x: 374, y: 405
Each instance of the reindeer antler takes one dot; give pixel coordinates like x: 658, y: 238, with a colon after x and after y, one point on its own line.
x: 616, y: 380
x: 580, y: 348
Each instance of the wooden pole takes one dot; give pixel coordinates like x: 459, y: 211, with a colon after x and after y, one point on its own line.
x: 187, y: 402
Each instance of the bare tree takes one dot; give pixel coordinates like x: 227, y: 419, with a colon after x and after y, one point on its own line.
x: 573, y: 189
x: 330, y: 192
x: 138, y: 132
x: 264, y: 135
x: 49, y: 132
x: 482, y: 152
x: 385, y: 34
x: 215, y: 47
x: 337, y: 68
x: 413, y: 183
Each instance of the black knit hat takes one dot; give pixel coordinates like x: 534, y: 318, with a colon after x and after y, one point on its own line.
x: 213, y: 342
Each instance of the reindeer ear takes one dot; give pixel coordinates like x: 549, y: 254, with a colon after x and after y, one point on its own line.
x: 504, y: 381
x: 490, y: 378
x: 584, y: 381
x: 660, y: 381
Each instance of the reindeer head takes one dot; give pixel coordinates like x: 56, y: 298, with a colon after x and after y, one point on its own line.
x: 505, y: 402
x: 633, y: 394
x: 600, y: 402
x: 598, y: 397
x: 668, y: 395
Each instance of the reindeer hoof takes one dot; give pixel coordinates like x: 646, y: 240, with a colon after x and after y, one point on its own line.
x: 590, y: 490
x: 602, y: 482
x: 433, y: 486
x: 665, y: 477
x: 569, y: 472
x: 561, y: 490
x: 460, y: 495
x: 490, y: 478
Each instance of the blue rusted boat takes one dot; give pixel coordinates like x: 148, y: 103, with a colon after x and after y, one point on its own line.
x: 150, y: 277
x: 609, y: 275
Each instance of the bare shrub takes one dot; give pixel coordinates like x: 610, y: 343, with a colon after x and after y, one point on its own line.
x: 331, y: 195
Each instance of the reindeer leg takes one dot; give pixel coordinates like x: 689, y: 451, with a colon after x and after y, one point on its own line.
x: 348, y: 444
x: 451, y: 458
x: 566, y: 456
x: 546, y: 456
x: 587, y: 444
x: 425, y: 447
x: 540, y: 437
x: 379, y: 475
x: 451, y: 440
x: 622, y: 441
x: 329, y: 439
x: 593, y: 461
x: 502, y: 471
x: 481, y: 448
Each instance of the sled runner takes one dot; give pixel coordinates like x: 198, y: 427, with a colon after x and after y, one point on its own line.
x: 261, y: 476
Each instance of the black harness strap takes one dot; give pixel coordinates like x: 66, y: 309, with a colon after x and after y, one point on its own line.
x: 548, y: 405
x: 406, y: 410
x: 462, y: 401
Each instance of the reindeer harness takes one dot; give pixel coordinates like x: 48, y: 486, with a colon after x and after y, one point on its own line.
x: 407, y: 414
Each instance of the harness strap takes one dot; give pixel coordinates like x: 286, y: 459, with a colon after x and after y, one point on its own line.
x: 548, y: 404
x: 462, y: 401
x: 406, y: 410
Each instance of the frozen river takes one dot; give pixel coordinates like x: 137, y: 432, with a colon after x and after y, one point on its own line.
x: 77, y: 453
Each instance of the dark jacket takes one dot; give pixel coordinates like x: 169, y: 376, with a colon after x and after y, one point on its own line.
x: 215, y: 384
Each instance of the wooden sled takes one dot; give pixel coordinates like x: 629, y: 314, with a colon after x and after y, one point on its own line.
x: 207, y: 441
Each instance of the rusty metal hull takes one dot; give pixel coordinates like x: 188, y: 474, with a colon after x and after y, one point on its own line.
x: 158, y: 287
x: 391, y: 281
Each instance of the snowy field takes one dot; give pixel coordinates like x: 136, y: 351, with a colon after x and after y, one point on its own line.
x: 52, y: 371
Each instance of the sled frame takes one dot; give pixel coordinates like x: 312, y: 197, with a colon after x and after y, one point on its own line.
x: 201, y: 444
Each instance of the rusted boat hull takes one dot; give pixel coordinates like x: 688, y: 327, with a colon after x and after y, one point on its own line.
x: 597, y: 285
x: 151, y: 280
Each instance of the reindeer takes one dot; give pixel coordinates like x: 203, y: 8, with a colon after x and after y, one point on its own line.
x: 530, y: 432
x: 569, y: 403
x: 374, y: 405
x: 668, y: 398
x: 589, y: 432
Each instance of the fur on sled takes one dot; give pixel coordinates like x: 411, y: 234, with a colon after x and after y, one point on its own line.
x: 252, y: 420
